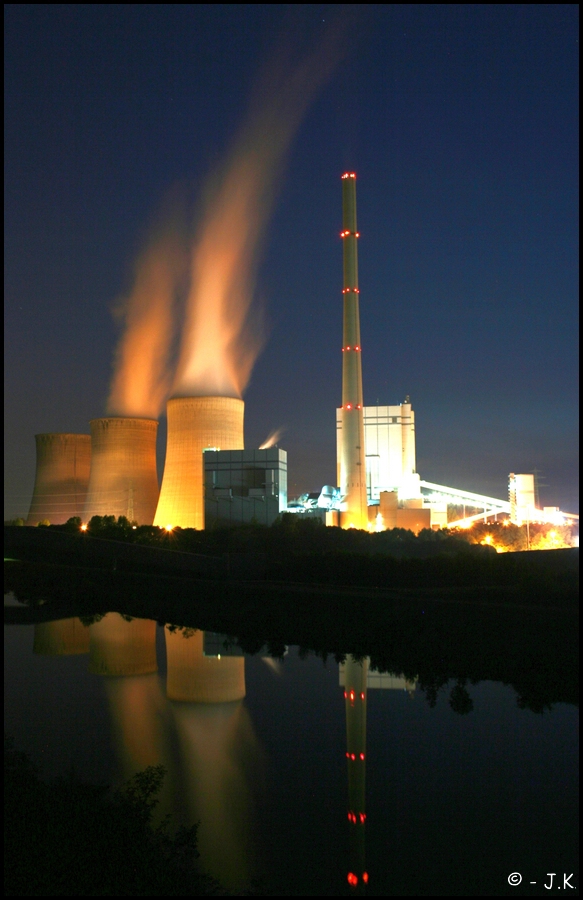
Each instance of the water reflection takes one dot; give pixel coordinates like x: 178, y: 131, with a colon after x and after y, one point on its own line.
x: 122, y: 646
x: 215, y: 736
x: 65, y: 637
x: 356, y: 677
x: 196, y: 678
x: 204, y: 738
x: 217, y: 744
x: 140, y: 725
x: 196, y: 723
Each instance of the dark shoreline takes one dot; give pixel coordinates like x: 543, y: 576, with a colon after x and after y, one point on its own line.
x: 464, y: 633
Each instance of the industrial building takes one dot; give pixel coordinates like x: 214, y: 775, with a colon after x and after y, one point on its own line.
x: 389, y: 447
x: 244, y: 486
x: 521, y: 497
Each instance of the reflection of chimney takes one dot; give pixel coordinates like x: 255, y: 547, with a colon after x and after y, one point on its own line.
x: 355, y: 693
x: 119, y: 647
x: 194, y: 423
x: 62, y: 476
x: 352, y: 450
x: 65, y: 637
x: 196, y: 678
x: 124, y: 479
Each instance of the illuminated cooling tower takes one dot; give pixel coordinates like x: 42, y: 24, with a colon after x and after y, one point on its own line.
x: 66, y: 637
x: 194, y: 423
x: 63, y: 462
x: 195, y: 678
x: 119, y: 647
x: 124, y: 479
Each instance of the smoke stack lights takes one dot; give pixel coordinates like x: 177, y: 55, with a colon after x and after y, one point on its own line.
x: 354, y: 512
x: 194, y: 424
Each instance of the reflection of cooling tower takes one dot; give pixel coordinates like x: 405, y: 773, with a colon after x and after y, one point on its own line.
x: 124, y: 479
x: 195, y: 678
x: 62, y: 475
x: 217, y: 746
x: 66, y: 637
x: 118, y: 647
x: 194, y: 423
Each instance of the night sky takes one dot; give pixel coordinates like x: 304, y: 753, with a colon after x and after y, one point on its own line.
x: 461, y: 122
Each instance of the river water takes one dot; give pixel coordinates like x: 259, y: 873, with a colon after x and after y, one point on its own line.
x: 446, y: 802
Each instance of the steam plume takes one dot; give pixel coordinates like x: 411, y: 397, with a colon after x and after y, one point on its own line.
x: 141, y: 378
x: 223, y: 332
x: 272, y: 439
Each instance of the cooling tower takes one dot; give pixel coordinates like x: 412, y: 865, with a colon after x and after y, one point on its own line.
x: 65, y: 637
x: 195, y: 678
x: 194, y: 423
x: 62, y: 474
x: 119, y: 647
x: 124, y: 479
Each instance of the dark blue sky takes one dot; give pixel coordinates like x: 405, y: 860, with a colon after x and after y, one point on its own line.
x: 461, y: 122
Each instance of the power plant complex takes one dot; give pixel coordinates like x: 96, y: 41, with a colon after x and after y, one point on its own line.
x: 211, y: 480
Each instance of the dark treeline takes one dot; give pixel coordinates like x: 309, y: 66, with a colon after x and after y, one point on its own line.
x: 66, y: 838
x: 306, y: 552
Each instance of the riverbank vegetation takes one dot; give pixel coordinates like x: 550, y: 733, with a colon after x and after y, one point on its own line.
x: 69, y: 838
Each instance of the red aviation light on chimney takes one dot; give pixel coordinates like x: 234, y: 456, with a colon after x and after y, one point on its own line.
x: 352, y: 879
x: 349, y: 175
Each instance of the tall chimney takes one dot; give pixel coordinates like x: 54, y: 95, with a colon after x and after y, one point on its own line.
x: 354, y: 512
x: 194, y: 424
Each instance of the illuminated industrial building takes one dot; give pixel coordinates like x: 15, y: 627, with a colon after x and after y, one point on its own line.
x: 194, y: 424
x: 244, y: 486
x: 63, y: 463
x: 124, y: 478
x: 389, y: 442
x: 521, y: 498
